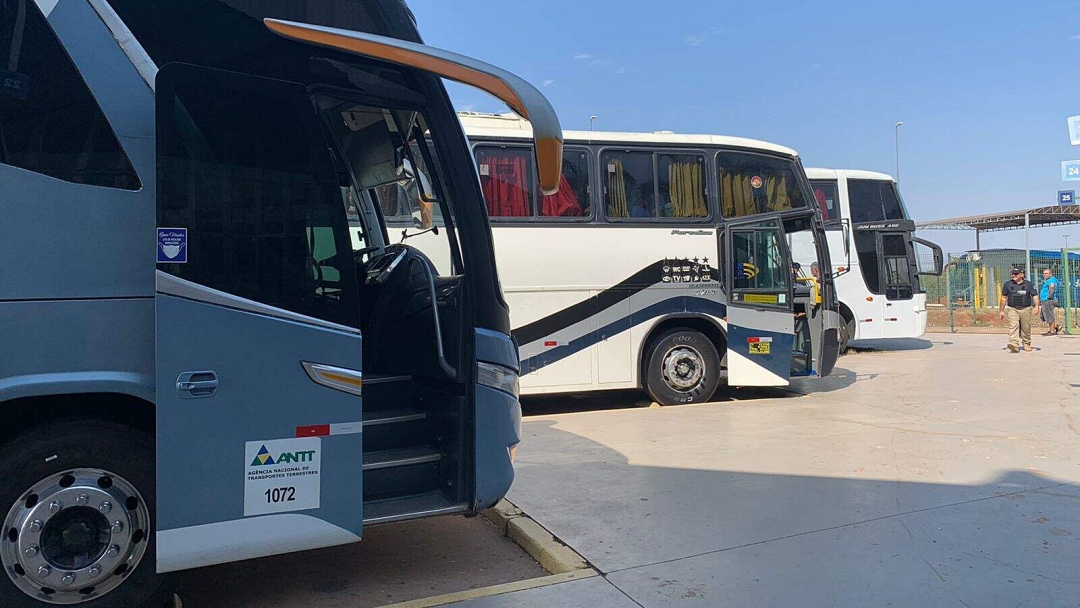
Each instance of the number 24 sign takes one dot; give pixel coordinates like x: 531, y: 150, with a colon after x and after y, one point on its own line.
x: 1070, y: 171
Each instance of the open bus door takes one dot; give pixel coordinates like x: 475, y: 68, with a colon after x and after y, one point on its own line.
x: 257, y: 325
x: 760, y: 312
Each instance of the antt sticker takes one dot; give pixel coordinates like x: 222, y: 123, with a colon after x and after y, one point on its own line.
x: 282, y: 475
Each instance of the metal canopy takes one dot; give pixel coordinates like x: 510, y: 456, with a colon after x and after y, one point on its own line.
x: 1055, y: 215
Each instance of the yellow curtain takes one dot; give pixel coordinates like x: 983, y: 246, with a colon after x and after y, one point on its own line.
x: 738, y: 200
x: 617, y: 190
x: 685, y: 190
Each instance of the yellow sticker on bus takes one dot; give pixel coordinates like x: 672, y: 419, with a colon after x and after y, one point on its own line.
x: 761, y: 298
x: 760, y: 348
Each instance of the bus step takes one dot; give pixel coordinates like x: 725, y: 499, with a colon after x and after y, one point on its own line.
x: 403, y: 457
x: 401, y: 472
x: 409, y: 507
x: 378, y: 417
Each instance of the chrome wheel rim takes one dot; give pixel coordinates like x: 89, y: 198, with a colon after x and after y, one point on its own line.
x: 683, y: 368
x: 74, y: 536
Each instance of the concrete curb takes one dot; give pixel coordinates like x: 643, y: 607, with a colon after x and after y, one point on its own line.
x: 551, y: 553
x: 482, y: 592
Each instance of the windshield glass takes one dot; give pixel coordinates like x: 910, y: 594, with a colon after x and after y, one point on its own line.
x: 874, y: 200
x: 755, y: 183
x: 386, y: 161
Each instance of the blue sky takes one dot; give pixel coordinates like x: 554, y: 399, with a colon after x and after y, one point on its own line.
x: 983, y: 88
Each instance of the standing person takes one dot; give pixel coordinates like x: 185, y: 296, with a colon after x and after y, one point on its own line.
x: 1018, y: 298
x: 1048, y: 301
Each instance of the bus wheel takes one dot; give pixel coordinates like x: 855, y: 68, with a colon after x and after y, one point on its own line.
x: 683, y: 367
x: 76, y: 502
x: 847, y: 331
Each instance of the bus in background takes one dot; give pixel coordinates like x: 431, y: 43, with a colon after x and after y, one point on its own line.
x: 662, y: 263
x: 876, y: 256
x: 203, y: 359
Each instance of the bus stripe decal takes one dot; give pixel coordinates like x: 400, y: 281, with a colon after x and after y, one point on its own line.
x: 640, y: 280
x: 671, y: 305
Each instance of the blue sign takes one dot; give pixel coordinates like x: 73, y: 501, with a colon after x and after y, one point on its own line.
x: 1070, y: 170
x: 1074, y: 130
x: 1066, y: 197
x: 172, y: 245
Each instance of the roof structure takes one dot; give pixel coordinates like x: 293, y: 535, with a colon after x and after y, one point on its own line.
x: 1054, y: 215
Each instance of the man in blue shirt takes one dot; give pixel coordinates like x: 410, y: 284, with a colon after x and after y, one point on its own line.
x: 1048, y: 301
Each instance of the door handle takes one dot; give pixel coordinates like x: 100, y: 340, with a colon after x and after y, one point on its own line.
x: 197, y: 385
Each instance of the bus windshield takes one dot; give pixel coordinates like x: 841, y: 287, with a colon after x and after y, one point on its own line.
x: 874, y: 200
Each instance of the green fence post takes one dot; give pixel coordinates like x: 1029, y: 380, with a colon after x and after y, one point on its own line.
x: 949, y: 296
x: 1068, y: 290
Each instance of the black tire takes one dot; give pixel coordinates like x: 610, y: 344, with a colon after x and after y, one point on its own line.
x: 67, y: 445
x: 847, y: 332
x: 660, y: 389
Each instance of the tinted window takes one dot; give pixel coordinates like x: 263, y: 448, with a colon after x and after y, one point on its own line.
x: 866, y: 248
x: 898, y: 284
x: 506, y: 176
x: 874, y: 200
x: 683, y: 192
x: 629, y: 189
x: 244, y: 166
x: 572, y: 199
x: 754, y: 183
x: 49, y: 121
x: 827, y: 198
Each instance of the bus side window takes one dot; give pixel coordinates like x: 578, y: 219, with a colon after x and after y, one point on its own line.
x: 683, y: 190
x: 629, y: 189
x: 825, y: 194
x: 506, y: 176
x: 572, y: 199
x: 49, y: 121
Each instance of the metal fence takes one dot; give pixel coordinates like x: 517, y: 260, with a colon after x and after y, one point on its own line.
x: 965, y: 298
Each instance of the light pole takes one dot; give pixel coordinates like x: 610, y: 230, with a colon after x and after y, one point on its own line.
x: 592, y: 119
x: 896, y: 138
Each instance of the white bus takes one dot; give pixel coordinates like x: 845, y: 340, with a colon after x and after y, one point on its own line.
x: 662, y: 263
x: 877, y: 258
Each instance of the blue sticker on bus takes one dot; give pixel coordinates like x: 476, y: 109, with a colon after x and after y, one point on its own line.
x: 172, y: 245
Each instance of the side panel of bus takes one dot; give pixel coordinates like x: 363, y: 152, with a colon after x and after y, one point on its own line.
x: 583, y: 304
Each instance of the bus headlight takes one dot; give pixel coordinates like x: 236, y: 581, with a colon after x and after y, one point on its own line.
x: 498, y: 377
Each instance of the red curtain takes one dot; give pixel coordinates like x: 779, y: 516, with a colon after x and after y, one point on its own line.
x: 505, y: 182
x: 819, y: 194
x: 564, y: 203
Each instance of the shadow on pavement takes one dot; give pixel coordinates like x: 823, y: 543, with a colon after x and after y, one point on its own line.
x: 895, y: 344
x: 675, y: 535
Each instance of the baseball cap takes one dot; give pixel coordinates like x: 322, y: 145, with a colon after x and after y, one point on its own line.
x: 1017, y: 271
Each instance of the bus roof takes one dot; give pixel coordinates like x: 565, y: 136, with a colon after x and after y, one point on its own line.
x: 512, y: 126
x: 819, y: 173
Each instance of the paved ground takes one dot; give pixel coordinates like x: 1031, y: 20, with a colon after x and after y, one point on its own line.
x: 938, y: 474
x: 394, y: 563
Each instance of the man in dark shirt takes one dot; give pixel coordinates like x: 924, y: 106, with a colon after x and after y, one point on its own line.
x: 1018, y: 298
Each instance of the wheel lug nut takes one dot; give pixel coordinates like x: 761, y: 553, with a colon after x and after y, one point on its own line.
x: 55, y: 506
x: 96, y: 570
x: 113, y: 551
x: 117, y: 527
x: 105, y: 507
x: 44, y: 571
x: 82, y: 499
x: 31, y: 551
x: 36, y: 525
x: 68, y: 579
